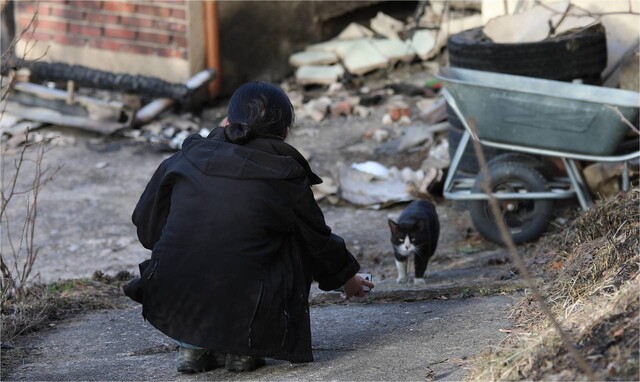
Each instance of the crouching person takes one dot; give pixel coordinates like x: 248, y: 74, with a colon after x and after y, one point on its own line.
x: 236, y: 239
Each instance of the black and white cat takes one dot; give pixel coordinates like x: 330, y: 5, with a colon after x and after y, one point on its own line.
x: 416, y: 233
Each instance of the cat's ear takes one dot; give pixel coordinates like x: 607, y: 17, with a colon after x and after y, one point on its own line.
x: 394, y: 227
x: 420, y: 225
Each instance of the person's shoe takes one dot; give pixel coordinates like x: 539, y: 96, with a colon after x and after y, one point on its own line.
x: 243, y: 362
x: 198, y: 360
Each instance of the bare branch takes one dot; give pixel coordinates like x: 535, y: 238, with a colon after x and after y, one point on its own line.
x: 519, y: 262
x: 626, y: 121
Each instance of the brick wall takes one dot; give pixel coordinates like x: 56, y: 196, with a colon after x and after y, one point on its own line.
x: 157, y: 28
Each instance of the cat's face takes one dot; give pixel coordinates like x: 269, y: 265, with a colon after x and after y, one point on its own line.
x: 404, y: 239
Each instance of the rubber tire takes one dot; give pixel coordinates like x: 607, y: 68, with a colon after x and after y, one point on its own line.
x: 525, y: 159
x: 581, y: 54
x: 533, y: 181
x: 468, y: 162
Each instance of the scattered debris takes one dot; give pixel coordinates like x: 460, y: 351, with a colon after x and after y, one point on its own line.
x: 342, y: 108
x: 319, y: 74
x: 317, y: 109
x: 420, y: 135
x: 373, y: 185
x: 312, y: 58
x: 326, y: 189
x: 398, y: 109
x: 432, y: 112
x: 603, y: 177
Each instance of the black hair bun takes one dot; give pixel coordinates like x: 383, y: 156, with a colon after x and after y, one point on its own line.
x: 238, y: 132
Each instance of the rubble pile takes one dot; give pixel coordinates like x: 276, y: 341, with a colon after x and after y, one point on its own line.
x: 169, y: 132
x: 359, y: 50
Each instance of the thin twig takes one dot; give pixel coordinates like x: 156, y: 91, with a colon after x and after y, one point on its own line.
x: 519, y: 262
x: 622, y: 117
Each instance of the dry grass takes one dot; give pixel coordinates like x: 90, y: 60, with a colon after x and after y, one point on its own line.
x: 591, y: 279
x: 43, y: 305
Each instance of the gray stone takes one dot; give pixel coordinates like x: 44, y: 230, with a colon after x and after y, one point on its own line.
x: 423, y: 42
x: 362, y: 57
x: 312, y: 58
x: 319, y: 75
x: 387, y: 26
x: 355, y: 31
x: 394, y: 50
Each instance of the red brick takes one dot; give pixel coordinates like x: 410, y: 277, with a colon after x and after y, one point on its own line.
x: 105, y: 44
x: 147, y: 9
x: 100, y: 18
x: 25, y: 7
x: 23, y: 21
x: 91, y: 4
x: 163, y: 12
x: 38, y: 36
x: 136, y: 22
x: 175, y: 27
x: 179, y: 41
x: 75, y: 28
x: 119, y: 6
x: 179, y: 14
x: 166, y: 52
x: 91, y: 31
x: 61, y: 11
x: 154, y: 37
x: 52, y: 25
x: 138, y: 49
x: 119, y: 32
x: 68, y: 40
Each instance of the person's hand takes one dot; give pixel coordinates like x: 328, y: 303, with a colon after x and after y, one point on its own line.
x: 353, y: 287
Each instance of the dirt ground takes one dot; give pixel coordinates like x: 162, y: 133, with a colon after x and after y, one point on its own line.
x: 84, y: 220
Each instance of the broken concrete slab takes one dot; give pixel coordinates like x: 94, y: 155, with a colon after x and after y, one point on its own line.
x: 332, y: 45
x: 423, y: 42
x: 530, y: 26
x: 312, y: 58
x: 362, y: 57
x: 319, y: 74
x: 394, y: 50
x: 355, y: 31
x: 419, y: 134
x: 387, y: 26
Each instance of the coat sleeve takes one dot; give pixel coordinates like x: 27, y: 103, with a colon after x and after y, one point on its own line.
x: 152, y: 210
x: 332, y: 263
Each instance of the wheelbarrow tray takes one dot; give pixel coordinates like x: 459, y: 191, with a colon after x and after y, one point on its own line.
x: 540, y: 113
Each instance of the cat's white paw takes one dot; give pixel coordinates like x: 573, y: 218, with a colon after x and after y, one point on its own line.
x: 401, y: 280
x: 418, y: 281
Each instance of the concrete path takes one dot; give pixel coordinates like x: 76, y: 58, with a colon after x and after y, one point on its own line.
x: 382, y: 341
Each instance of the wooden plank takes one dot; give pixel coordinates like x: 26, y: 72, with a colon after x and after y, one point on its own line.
x: 41, y: 114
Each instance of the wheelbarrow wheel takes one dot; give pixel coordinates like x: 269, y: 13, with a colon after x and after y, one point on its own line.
x: 525, y: 159
x: 525, y: 219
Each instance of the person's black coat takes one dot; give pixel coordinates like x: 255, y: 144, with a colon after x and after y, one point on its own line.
x: 236, y: 238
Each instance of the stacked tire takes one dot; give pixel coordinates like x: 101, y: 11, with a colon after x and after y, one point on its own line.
x: 574, y: 55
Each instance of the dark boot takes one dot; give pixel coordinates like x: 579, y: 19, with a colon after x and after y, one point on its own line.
x: 243, y: 362
x: 198, y: 360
